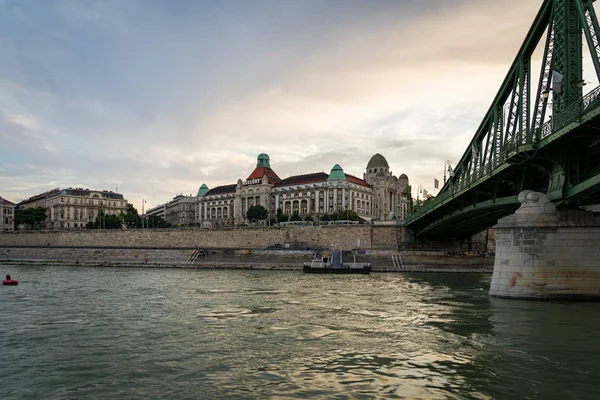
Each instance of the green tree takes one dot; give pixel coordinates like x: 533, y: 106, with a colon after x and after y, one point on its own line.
x: 106, y: 221
x: 295, y: 217
x: 308, y: 218
x: 257, y: 213
x: 408, y: 194
x: 282, y: 218
x: 131, y: 218
x: 154, y: 221
x: 344, y: 215
x: 30, y: 217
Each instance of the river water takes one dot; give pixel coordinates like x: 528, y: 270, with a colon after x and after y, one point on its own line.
x: 124, y: 333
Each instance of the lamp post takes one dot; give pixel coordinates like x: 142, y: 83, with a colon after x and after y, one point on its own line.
x: 143, y: 202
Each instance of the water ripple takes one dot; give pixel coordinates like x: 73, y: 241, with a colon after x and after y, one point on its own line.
x: 105, y: 333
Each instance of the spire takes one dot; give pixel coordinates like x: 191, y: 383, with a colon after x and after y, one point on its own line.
x: 337, y: 174
x: 203, y: 190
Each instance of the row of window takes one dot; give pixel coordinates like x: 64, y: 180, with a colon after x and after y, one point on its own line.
x: 89, y: 202
x: 321, y: 195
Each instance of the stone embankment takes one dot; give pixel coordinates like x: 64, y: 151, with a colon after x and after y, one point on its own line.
x: 381, y: 260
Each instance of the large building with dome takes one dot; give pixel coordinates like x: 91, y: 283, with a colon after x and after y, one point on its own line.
x: 378, y: 196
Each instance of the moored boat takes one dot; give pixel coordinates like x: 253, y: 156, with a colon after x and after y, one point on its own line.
x: 333, y: 263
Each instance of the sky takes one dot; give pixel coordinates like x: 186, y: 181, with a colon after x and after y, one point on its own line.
x: 153, y: 98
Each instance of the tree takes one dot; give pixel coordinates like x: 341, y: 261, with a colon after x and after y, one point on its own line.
x: 282, y: 218
x: 257, y: 213
x: 131, y: 218
x: 344, y: 215
x: 295, y: 217
x: 154, y: 221
x: 104, y: 221
x: 308, y: 218
x: 30, y: 217
x: 408, y: 194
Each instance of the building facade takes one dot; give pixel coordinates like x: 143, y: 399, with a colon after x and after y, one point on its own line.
x: 380, y: 195
x: 75, y: 208
x: 181, y: 211
x: 389, y: 198
x: 7, y: 215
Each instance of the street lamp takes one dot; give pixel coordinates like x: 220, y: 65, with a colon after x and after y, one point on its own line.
x: 143, y: 202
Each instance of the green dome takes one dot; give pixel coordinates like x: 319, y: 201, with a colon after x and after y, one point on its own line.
x: 337, y: 174
x: 263, y: 161
x: 203, y: 190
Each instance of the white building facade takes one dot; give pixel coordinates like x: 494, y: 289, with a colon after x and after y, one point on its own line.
x: 380, y: 195
x: 74, y: 208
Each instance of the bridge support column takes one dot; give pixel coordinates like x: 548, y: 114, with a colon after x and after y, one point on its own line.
x: 542, y: 253
x: 408, y: 237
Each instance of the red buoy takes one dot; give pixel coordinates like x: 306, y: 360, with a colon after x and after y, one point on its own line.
x: 9, y: 281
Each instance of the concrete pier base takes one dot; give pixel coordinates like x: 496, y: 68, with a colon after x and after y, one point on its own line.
x: 545, y: 253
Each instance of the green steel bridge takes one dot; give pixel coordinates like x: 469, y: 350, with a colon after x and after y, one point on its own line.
x: 546, y: 140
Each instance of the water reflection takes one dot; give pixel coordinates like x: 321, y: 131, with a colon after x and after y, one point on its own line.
x: 127, y: 333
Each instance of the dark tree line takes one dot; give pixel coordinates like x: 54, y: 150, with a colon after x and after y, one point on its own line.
x: 32, y: 218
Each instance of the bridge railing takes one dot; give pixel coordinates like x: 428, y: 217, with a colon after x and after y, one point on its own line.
x: 573, y: 113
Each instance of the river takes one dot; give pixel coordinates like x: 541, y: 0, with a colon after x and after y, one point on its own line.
x: 126, y: 333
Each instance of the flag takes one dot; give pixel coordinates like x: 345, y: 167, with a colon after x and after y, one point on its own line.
x: 436, y: 184
x: 425, y: 194
x: 450, y: 171
x: 557, y: 79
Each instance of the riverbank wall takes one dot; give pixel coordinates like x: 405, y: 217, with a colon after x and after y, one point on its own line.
x: 367, y: 237
x: 233, y: 248
x: 380, y: 260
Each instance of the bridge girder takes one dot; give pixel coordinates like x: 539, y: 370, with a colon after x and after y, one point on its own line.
x: 512, y: 151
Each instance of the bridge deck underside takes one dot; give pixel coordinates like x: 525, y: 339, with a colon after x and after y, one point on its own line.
x: 572, y: 152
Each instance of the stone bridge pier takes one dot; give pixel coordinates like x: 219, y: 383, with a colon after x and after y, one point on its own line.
x: 545, y: 253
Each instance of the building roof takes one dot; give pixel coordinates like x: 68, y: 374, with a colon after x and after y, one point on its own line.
x: 378, y: 161
x: 356, y: 181
x: 38, y: 196
x: 259, y: 172
x: 107, y: 194
x: 337, y: 174
x: 317, y: 177
x: 403, y: 176
x: 225, y: 189
x: 203, y: 190
x: 303, y: 179
x: 6, y: 202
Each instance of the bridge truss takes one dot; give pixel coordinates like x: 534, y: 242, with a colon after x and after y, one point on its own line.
x: 546, y: 140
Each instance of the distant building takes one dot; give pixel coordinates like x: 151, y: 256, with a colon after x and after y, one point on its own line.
x: 75, y: 208
x: 181, y: 211
x: 380, y: 195
x: 158, y: 211
x: 7, y: 215
x: 39, y: 200
x: 390, y: 201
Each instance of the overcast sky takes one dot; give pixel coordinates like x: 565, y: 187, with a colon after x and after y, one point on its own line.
x: 156, y: 97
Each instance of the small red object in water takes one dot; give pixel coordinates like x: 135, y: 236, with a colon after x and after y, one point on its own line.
x: 9, y: 281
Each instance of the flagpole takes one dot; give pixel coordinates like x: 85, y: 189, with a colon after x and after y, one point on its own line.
x: 446, y: 165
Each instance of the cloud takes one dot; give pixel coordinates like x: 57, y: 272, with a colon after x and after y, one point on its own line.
x: 158, y: 98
